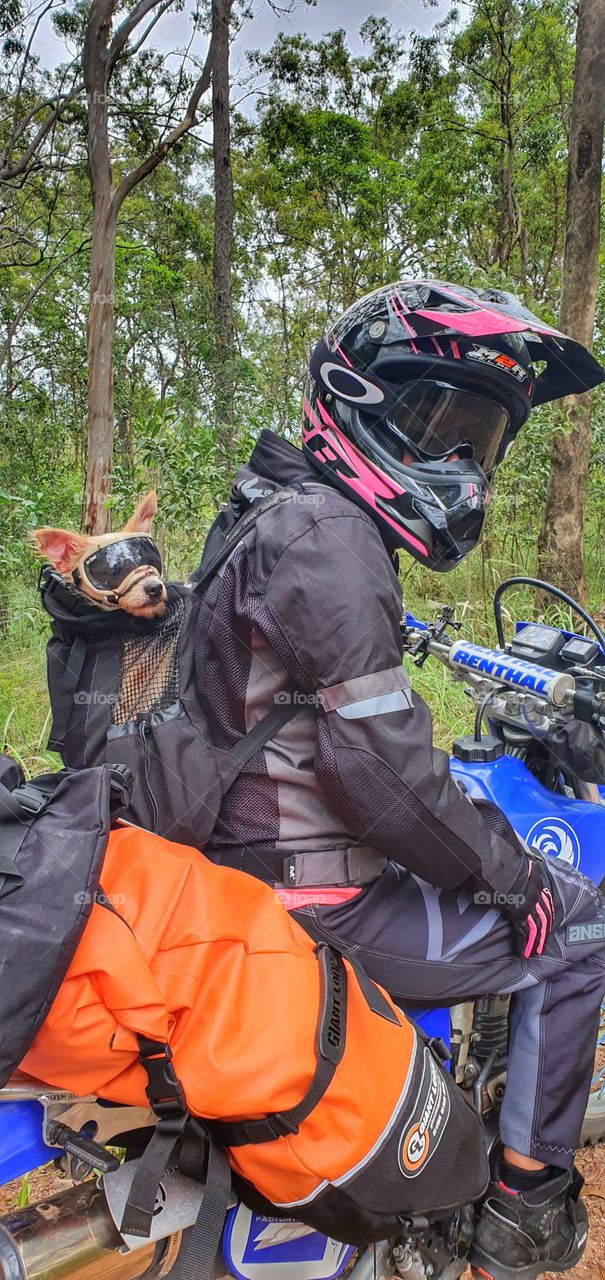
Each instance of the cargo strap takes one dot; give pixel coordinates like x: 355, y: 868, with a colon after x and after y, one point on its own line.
x: 167, y: 1098
x: 175, y: 1124
x: 330, y: 1046
x: 195, y: 1260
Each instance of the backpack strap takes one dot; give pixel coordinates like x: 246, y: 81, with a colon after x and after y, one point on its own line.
x: 208, y: 566
x: 71, y: 680
x: 230, y: 763
x: 18, y: 810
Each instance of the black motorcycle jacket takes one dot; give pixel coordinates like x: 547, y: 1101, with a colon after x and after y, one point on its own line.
x: 310, y: 596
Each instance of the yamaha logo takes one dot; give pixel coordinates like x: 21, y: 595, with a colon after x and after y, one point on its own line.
x: 556, y: 838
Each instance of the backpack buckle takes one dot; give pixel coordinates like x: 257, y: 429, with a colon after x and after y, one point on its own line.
x: 31, y: 799
x: 164, y: 1089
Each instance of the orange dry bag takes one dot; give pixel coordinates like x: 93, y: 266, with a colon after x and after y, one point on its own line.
x: 192, y: 987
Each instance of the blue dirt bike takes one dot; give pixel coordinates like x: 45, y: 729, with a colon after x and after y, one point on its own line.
x: 523, y: 692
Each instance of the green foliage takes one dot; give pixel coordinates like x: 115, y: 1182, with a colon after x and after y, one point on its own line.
x: 442, y: 153
x: 23, y: 1195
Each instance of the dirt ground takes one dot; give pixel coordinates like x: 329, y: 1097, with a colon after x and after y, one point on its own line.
x: 47, y: 1182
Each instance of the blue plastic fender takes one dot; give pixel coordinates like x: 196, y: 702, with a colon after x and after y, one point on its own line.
x: 22, y: 1147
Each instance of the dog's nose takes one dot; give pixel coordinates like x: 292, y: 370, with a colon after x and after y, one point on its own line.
x: 153, y: 588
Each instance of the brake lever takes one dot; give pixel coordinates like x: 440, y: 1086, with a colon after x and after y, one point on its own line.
x: 419, y: 652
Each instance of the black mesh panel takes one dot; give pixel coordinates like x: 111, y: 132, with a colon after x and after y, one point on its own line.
x: 149, y: 668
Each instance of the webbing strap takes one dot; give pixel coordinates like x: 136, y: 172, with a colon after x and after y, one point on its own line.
x: 138, y: 1210
x: 18, y: 810
x: 69, y: 686
x: 372, y: 994
x: 199, y: 1246
x: 200, y: 578
x: 200, y: 1243
x: 166, y: 1096
x: 330, y: 1045
x: 231, y: 763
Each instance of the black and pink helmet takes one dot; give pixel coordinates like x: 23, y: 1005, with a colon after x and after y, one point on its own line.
x: 417, y: 393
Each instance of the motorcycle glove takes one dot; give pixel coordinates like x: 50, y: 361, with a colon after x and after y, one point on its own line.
x: 531, y: 907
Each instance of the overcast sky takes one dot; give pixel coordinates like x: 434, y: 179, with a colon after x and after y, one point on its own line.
x: 327, y: 14
x: 259, y: 33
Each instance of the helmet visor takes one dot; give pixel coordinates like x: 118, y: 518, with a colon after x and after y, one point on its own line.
x: 111, y: 564
x: 438, y: 420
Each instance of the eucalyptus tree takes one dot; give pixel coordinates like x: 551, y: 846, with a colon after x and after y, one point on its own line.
x: 561, y: 546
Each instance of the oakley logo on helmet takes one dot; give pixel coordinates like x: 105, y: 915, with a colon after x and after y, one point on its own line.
x: 498, y: 360
x: 349, y: 385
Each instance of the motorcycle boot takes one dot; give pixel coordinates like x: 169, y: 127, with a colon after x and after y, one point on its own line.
x: 522, y: 1234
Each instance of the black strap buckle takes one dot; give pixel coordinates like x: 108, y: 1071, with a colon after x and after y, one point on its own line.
x: 31, y: 798
x: 164, y: 1089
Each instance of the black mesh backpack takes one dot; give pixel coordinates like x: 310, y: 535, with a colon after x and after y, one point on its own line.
x: 123, y: 691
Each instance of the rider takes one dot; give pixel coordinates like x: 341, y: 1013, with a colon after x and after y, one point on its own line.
x: 413, y: 399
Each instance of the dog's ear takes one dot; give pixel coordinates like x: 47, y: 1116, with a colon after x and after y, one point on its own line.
x: 61, y: 547
x: 141, y: 519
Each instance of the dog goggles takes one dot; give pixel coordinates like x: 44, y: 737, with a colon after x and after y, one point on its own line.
x: 110, y: 565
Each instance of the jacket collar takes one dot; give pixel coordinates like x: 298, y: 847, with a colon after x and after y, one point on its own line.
x: 278, y: 461
x: 275, y: 463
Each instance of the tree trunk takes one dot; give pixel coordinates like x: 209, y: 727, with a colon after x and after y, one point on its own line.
x: 100, y: 369
x: 561, y: 541
x: 102, y: 270
x: 223, y: 227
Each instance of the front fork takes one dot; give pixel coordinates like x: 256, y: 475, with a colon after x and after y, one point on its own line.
x: 479, y: 1045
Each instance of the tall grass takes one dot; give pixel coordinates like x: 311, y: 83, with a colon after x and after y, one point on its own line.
x: 24, y: 708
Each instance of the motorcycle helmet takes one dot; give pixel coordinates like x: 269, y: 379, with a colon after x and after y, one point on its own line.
x: 415, y: 396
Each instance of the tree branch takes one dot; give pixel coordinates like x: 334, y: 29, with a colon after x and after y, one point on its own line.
x: 139, y: 44
x: 124, y: 31
x: 8, y: 172
x: 147, y: 166
x: 33, y: 293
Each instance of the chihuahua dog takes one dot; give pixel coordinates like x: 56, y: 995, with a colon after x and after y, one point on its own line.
x: 120, y: 570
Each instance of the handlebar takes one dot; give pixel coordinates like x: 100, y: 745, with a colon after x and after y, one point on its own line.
x: 476, y: 664
x: 500, y: 672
